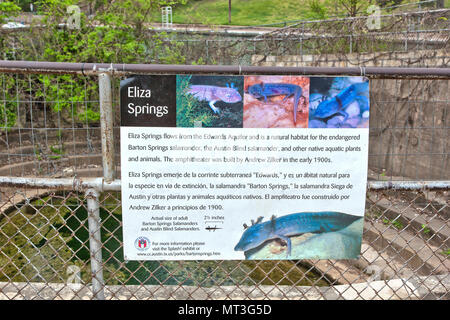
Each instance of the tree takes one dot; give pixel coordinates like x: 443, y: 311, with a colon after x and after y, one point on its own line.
x: 229, y: 11
x: 352, y: 7
x: 25, y: 5
x: 316, y: 10
x: 8, y: 9
x: 115, y: 33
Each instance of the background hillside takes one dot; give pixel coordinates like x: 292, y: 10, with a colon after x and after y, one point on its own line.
x: 258, y: 12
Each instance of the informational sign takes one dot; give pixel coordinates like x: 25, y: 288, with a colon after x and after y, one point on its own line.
x: 243, y: 167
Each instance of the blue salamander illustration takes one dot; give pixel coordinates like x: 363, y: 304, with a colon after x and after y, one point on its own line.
x: 337, y: 104
x: 292, y: 225
x: 264, y: 90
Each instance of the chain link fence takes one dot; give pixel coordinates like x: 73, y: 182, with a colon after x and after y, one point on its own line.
x: 60, y: 206
x: 356, y: 40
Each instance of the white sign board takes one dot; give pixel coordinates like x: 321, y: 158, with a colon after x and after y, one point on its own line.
x: 277, y: 168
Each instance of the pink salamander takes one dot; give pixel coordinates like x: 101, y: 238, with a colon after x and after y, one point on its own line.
x: 212, y: 94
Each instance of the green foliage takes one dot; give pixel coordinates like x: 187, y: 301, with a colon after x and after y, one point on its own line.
x: 190, y: 110
x: 19, y: 257
x: 199, y: 61
x: 37, y: 153
x: 8, y: 114
x: 425, y: 229
x: 116, y: 33
x: 8, y: 107
x: 25, y: 5
x: 107, y: 37
x: 168, y: 54
x: 8, y: 9
x: 316, y: 10
x: 352, y: 8
x: 57, y: 149
x: 398, y: 225
x: 67, y: 92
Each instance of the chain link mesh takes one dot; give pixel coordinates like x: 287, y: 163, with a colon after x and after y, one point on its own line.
x: 44, y: 254
x: 50, y: 128
x: 44, y: 233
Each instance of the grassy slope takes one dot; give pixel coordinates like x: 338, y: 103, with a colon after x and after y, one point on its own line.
x: 245, y: 12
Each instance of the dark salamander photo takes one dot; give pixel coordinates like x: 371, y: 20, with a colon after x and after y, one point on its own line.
x: 340, y: 102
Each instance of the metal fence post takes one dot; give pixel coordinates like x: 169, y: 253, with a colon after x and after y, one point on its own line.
x: 106, y: 123
x: 207, y: 50
x: 92, y: 195
x: 95, y: 244
x: 301, y: 41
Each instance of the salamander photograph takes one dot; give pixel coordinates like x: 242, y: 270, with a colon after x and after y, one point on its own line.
x: 209, y: 101
x: 340, y: 102
x: 303, y: 235
x: 276, y: 102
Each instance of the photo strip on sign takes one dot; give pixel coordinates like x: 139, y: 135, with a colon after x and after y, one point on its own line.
x: 243, y: 167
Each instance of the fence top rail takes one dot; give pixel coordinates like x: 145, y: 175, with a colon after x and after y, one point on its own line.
x: 7, y: 66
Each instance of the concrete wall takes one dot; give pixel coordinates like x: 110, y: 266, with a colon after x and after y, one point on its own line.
x: 421, y: 58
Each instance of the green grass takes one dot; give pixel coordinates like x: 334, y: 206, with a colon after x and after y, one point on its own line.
x: 247, y: 12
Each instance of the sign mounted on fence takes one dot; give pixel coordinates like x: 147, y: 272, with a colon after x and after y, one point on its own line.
x: 243, y: 167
